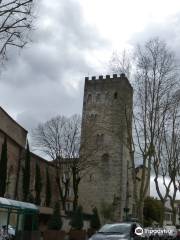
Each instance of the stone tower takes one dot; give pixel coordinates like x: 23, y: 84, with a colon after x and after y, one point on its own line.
x: 106, y: 183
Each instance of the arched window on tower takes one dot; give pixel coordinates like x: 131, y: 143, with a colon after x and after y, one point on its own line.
x: 91, y: 177
x: 105, y: 166
x: 92, y: 116
x: 98, y: 98
x: 89, y: 99
x: 115, y: 95
x: 100, y: 140
x: 105, y: 157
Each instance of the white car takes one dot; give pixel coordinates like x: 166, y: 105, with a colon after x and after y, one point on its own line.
x: 11, y: 230
x: 172, y: 231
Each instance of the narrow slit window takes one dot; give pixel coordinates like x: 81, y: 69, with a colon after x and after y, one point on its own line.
x: 115, y: 95
x: 98, y: 97
x: 89, y: 99
x: 105, y: 157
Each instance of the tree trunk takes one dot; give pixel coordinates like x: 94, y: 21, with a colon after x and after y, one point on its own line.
x: 60, y: 192
x: 140, y: 207
x: 17, y: 175
x: 174, y: 216
x: 75, y: 201
x: 163, y: 214
x: 76, y: 181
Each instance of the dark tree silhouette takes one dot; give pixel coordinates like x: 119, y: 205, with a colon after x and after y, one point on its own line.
x: 15, y: 23
x: 38, y: 185
x: 48, y: 189
x: 3, y: 168
x: 26, y: 174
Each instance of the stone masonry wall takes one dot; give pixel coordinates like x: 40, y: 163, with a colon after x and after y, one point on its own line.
x: 103, y: 143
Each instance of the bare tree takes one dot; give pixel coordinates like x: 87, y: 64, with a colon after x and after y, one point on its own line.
x: 73, y: 133
x: 174, y: 165
x: 15, y: 23
x: 155, y: 82
x: 59, y: 138
x: 166, y: 161
x: 121, y: 63
x: 156, y: 79
x: 130, y: 144
x: 154, y: 85
x: 80, y: 167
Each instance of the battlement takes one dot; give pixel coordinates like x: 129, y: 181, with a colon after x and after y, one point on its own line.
x: 107, y: 79
x: 101, y: 77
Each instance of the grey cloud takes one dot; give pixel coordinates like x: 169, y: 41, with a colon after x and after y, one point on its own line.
x: 168, y: 31
x: 47, y: 77
x: 57, y: 49
x: 37, y: 103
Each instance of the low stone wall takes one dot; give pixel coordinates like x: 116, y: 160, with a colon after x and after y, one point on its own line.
x: 55, y: 235
x: 66, y: 226
x: 62, y: 235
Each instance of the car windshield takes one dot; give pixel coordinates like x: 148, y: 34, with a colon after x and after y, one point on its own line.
x: 115, y: 228
x: 169, y: 227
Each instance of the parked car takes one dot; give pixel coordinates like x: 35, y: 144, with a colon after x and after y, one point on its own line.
x: 11, y: 231
x: 117, y: 231
x: 7, y: 234
x: 172, y: 231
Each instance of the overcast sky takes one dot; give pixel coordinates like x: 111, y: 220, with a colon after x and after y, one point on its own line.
x: 73, y: 39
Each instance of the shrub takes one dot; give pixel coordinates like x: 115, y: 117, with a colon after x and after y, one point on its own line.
x: 77, y: 219
x: 95, y: 221
x: 55, y: 221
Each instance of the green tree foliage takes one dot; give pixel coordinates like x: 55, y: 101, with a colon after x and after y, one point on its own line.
x: 48, y: 189
x: 55, y: 221
x: 26, y: 174
x: 38, y: 185
x: 152, y: 211
x: 95, y: 221
x: 3, y: 168
x: 77, y: 219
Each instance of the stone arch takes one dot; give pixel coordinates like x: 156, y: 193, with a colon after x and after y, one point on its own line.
x: 92, y: 116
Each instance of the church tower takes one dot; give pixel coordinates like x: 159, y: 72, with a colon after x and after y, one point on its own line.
x: 106, y: 183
